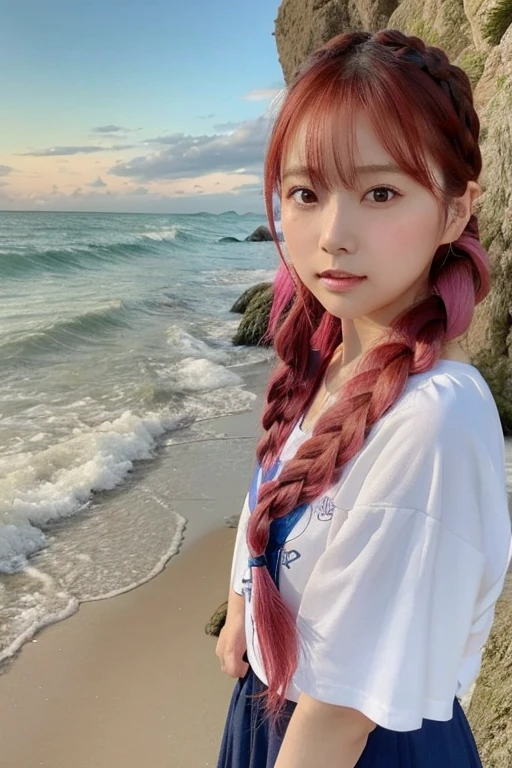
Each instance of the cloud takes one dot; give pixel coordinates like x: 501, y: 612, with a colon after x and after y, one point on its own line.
x: 109, y: 129
x: 97, y: 183
x: 205, y: 117
x: 185, y: 156
x: 261, y: 94
x: 258, y: 188
x: 85, y: 150
x: 5, y: 170
x: 226, y: 127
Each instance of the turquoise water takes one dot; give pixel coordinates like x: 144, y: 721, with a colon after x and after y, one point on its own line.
x: 114, y: 331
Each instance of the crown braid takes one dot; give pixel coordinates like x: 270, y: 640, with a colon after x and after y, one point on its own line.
x: 452, y: 80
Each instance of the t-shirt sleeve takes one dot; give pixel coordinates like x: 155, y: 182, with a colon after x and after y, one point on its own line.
x: 404, y: 583
x: 241, y: 552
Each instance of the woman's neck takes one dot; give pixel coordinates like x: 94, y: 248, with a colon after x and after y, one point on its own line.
x: 361, y: 334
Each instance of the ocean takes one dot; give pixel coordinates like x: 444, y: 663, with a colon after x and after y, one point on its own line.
x: 115, y: 337
x: 115, y: 333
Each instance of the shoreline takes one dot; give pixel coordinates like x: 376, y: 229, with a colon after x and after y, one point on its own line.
x: 126, y: 681
x: 84, y: 688
x: 170, y: 481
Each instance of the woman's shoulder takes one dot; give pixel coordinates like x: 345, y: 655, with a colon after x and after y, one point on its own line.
x: 449, y: 403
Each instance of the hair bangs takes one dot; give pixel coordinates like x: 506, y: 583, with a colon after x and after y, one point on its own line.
x: 322, y: 132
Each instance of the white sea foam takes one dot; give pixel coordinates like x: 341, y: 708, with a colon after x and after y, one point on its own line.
x: 187, y: 345
x: 36, y: 488
x: 198, y: 375
x: 240, y: 276
x: 161, y: 235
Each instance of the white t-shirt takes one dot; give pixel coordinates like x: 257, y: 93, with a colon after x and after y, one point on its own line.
x: 393, y: 573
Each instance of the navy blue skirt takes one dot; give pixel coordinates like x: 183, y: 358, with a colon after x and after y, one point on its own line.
x: 249, y: 742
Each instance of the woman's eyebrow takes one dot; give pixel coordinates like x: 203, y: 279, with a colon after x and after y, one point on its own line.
x: 373, y: 168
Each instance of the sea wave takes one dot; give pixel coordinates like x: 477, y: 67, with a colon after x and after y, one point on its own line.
x: 21, y: 261
x: 38, y: 488
x: 185, y: 345
x: 239, y: 276
x: 161, y: 234
x: 86, y: 327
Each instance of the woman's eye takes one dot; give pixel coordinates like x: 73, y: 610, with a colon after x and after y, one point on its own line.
x: 302, y: 196
x: 383, y: 194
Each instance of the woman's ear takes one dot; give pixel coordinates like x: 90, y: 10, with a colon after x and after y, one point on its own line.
x: 462, y: 209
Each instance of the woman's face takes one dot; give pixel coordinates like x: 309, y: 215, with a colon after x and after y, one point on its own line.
x: 385, y: 231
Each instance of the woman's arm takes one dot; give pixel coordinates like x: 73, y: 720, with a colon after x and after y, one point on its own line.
x: 324, y: 736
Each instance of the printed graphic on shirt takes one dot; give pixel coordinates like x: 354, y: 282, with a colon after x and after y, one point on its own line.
x: 325, y: 509
x: 289, y: 556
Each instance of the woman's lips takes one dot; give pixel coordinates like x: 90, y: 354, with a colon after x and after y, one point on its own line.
x: 341, y: 283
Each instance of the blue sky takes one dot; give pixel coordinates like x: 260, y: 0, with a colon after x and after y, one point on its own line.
x: 136, y: 106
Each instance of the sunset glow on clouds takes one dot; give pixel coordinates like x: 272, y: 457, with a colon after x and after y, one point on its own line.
x: 153, y: 169
x: 172, y: 164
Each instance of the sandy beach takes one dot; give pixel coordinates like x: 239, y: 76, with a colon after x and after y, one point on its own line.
x: 134, y: 679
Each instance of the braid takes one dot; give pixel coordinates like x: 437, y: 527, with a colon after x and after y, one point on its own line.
x: 295, y: 381
x: 452, y: 80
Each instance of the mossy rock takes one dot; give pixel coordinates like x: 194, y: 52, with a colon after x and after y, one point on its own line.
x: 497, y: 22
x: 217, y: 621
x: 247, y: 296
x: 490, y: 711
x: 496, y: 373
x: 441, y: 23
x: 254, y: 324
x: 473, y: 64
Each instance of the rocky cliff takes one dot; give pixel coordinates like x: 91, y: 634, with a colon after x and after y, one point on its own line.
x: 477, y: 35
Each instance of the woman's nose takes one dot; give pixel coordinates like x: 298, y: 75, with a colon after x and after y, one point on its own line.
x: 336, y: 228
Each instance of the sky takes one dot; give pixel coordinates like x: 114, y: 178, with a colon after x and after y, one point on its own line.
x: 136, y: 105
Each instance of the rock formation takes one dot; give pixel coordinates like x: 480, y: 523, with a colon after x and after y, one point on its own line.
x: 260, y: 234
x: 490, y: 711
x: 217, y: 621
x: 247, y: 296
x: 253, y: 326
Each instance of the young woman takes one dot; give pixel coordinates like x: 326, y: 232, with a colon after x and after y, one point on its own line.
x: 375, y: 536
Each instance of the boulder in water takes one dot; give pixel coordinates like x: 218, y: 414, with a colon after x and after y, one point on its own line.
x: 253, y: 326
x: 229, y: 240
x: 260, y: 234
x: 247, y: 296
